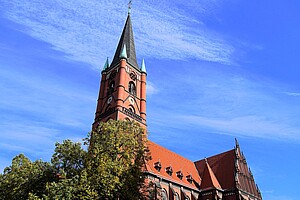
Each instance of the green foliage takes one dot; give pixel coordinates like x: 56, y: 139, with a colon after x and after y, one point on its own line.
x: 77, y: 187
x: 111, y: 169
x: 114, y: 163
x: 68, y: 158
x: 24, y: 177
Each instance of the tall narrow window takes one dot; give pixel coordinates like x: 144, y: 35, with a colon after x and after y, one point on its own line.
x: 164, y: 195
x: 131, y: 88
x: 111, y: 87
x: 177, y: 196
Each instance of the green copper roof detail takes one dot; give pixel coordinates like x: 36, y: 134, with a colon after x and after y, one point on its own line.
x: 106, y: 65
x: 123, y: 53
x: 143, y: 68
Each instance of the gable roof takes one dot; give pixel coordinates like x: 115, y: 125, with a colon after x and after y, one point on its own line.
x: 209, y: 179
x: 237, y: 175
x: 219, y: 164
x: 128, y: 41
x: 178, y: 163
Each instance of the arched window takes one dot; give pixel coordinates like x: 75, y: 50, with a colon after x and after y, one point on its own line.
x: 177, y: 196
x: 131, y: 108
x: 164, y: 195
x: 131, y: 88
x: 111, y: 87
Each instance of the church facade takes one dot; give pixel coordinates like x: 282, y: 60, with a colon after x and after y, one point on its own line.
x: 122, y: 96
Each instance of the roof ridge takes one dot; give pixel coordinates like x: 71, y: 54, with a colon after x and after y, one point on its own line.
x: 225, y: 152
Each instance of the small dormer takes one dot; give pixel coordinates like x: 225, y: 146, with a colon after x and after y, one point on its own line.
x: 157, y: 166
x: 189, y: 178
x: 169, y: 170
x: 179, y: 174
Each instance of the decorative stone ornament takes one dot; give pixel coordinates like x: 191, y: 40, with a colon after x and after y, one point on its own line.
x: 109, y: 100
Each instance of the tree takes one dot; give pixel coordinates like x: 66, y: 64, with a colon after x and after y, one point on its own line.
x: 33, y: 180
x: 116, y: 155
x: 24, y: 177
x: 77, y: 187
x: 68, y: 158
x: 111, y: 169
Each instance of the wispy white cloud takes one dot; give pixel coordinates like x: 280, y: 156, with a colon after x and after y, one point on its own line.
x: 226, y: 103
x: 273, y: 196
x: 88, y: 30
x: 295, y: 94
x: 268, y: 192
x: 20, y: 135
x: 31, y: 134
x: 35, y: 109
x: 45, y: 97
x: 151, y: 88
x: 251, y: 126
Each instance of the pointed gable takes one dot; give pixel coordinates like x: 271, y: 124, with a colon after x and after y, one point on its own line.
x: 209, y: 180
x: 231, y: 170
x: 128, y: 41
x: 244, y: 178
x: 224, y: 162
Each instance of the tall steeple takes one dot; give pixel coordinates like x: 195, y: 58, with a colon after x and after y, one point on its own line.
x: 128, y: 41
x: 122, y: 94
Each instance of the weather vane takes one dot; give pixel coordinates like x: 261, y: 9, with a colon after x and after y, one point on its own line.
x: 129, y: 6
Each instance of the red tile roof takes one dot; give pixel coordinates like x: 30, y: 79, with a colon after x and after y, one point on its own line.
x: 231, y: 170
x: 224, y: 171
x: 178, y: 164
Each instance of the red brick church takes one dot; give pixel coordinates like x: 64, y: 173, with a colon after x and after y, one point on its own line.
x: 122, y: 96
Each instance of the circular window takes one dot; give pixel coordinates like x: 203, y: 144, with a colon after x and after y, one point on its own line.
x: 133, y: 76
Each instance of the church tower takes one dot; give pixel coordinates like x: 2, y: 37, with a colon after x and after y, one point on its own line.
x: 122, y: 94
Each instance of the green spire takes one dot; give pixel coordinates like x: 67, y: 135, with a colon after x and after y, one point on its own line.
x: 143, y: 68
x: 123, y: 53
x: 106, y: 65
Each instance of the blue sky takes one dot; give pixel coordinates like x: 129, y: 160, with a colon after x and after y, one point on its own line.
x: 217, y: 70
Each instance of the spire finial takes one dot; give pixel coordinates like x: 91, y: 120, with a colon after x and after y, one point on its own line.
x: 123, y: 53
x: 143, y: 67
x: 236, y: 143
x: 129, y: 6
x: 106, y: 65
x: 128, y: 39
